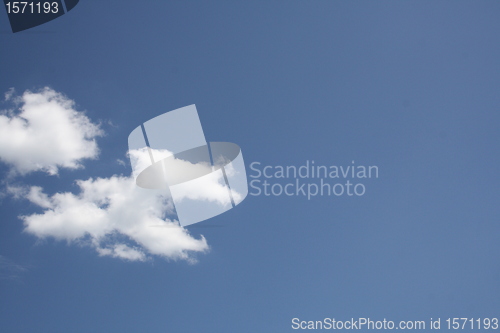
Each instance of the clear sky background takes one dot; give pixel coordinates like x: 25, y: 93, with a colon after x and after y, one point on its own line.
x: 412, y: 87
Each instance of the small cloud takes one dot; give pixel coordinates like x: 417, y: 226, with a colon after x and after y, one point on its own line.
x: 110, y: 123
x: 10, y: 270
x: 121, y: 162
x: 45, y: 133
x: 17, y: 192
x: 9, y: 94
x: 122, y: 251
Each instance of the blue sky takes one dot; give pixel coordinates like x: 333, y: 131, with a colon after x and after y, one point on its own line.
x: 411, y: 87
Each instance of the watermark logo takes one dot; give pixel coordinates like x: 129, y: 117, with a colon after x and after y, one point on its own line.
x: 169, y: 153
x: 310, y: 179
x: 28, y: 14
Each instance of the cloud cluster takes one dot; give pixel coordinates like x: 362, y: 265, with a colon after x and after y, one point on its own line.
x: 113, y: 215
x: 45, y: 132
x: 109, y: 214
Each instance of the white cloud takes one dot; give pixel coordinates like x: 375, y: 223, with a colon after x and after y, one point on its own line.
x: 107, y: 214
x: 45, y: 133
x: 121, y: 162
x: 9, y: 93
x: 211, y: 187
x: 113, y: 215
x: 122, y: 251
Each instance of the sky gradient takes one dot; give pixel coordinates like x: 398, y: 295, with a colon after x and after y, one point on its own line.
x: 411, y: 87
